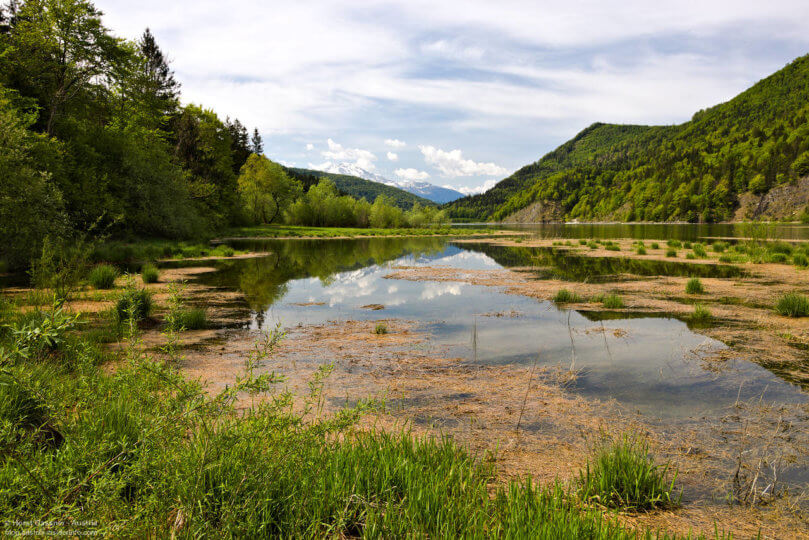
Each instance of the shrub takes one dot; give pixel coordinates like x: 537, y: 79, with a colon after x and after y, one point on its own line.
x: 149, y: 273
x: 690, y: 256
x: 694, y: 286
x: 187, y: 319
x: 592, y: 245
x: 134, y: 303
x: 654, y: 245
x: 671, y: 253
x: 42, y: 332
x: 381, y: 328
x: 719, y: 247
x: 777, y: 258
x: 674, y: 244
x: 793, y: 305
x: 699, y: 251
x: 622, y: 474
x: 780, y: 247
x: 564, y: 296
x: 583, y: 242
x: 799, y: 259
x: 687, y: 245
x: 613, y: 301
x: 103, y: 276
x: 641, y: 250
x: 701, y: 314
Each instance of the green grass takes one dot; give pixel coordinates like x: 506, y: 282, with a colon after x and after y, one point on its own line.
x: 622, y: 474
x: 134, y: 303
x: 149, y: 273
x: 671, y: 253
x: 793, y: 305
x: 699, y: 251
x: 701, y: 314
x: 564, y: 296
x: 188, y: 319
x: 719, y: 247
x: 613, y: 301
x: 694, y: 286
x: 380, y: 329
x: 654, y: 245
x: 641, y: 250
x: 674, y: 244
x: 800, y: 260
x: 301, y: 231
x: 103, y: 276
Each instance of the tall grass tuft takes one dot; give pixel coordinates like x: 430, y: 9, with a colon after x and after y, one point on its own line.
x: 701, y: 314
x: 564, y: 296
x: 671, y: 253
x: 188, y: 319
x: 613, y: 301
x: 103, y: 276
x: 622, y: 474
x: 149, y: 273
x: 793, y: 305
x: 134, y: 304
x: 694, y: 286
x: 699, y: 251
x: 381, y: 329
x: 800, y: 260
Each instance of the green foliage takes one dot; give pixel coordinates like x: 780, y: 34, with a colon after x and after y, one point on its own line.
x: 103, y: 276
x: 671, y: 252
x: 380, y: 328
x: 134, y: 304
x: 654, y: 245
x: 699, y: 251
x: 799, y: 259
x: 189, y: 319
x: 42, y: 332
x: 720, y: 247
x: 694, y: 286
x: 622, y: 474
x: 640, y: 250
x: 701, y: 314
x: 564, y: 296
x: 265, y: 189
x: 793, y: 305
x: 690, y: 172
x: 149, y: 273
x: 613, y: 301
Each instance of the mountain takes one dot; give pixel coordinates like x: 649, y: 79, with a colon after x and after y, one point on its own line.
x: 352, y: 169
x: 427, y: 190
x: 743, y: 159
x: 359, y: 187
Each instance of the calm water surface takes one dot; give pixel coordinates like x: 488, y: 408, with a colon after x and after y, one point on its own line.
x: 654, y: 367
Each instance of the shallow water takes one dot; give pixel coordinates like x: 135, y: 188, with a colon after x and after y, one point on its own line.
x: 653, y: 365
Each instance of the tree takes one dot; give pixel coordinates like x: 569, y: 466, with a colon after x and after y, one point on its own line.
x: 158, y: 83
x: 265, y: 189
x: 257, y: 145
x: 240, y: 147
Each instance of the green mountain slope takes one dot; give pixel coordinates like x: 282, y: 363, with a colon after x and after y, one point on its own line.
x: 360, y: 188
x: 696, y: 171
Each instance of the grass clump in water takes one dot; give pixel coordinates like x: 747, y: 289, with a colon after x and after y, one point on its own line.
x: 564, y: 296
x: 103, y: 276
x: 701, y: 314
x: 793, y: 305
x: 694, y: 286
x: 671, y: 253
x: 613, y: 301
x: 622, y: 474
x: 381, y: 329
x: 149, y: 273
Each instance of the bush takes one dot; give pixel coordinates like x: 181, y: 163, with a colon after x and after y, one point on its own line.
x: 793, y: 305
x: 699, y: 251
x: 582, y: 242
x: 674, y: 244
x: 188, y: 319
x: 641, y: 250
x: 690, y: 256
x: 671, y: 253
x: 719, y: 247
x: 592, y: 245
x: 777, y: 258
x: 564, y: 296
x: 654, y: 245
x: 134, y: 304
x: 42, y: 332
x: 694, y: 286
x: 613, y: 301
x: 149, y: 273
x: 103, y: 276
x: 799, y: 259
x: 622, y: 474
x: 380, y: 329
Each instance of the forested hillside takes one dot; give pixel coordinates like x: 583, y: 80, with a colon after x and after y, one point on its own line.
x: 695, y: 171
x: 360, y: 188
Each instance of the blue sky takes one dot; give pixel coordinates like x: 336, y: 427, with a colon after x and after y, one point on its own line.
x: 464, y: 92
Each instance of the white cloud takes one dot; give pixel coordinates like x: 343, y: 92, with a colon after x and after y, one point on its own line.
x: 395, y: 143
x: 411, y: 174
x: 361, y: 158
x: 474, y: 190
x: 310, y: 147
x: 453, y: 164
x: 393, y: 156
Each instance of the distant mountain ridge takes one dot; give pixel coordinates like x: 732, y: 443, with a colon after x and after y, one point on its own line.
x: 711, y: 168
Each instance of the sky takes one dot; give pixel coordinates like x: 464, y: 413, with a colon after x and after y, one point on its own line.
x: 459, y: 93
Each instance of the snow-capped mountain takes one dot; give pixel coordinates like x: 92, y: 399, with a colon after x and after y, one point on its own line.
x: 437, y: 194
x: 427, y: 190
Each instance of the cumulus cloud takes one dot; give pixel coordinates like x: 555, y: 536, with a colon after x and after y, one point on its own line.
x: 310, y: 147
x: 411, y: 174
x: 453, y: 164
x: 393, y: 156
x: 395, y: 143
x: 361, y: 158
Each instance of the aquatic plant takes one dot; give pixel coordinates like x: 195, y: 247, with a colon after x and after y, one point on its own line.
x: 380, y: 329
x: 671, y: 253
x: 613, y: 301
x: 701, y: 314
x: 694, y: 286
x: 622, y: 474
x: 564, y: 296
x: 103, y: 276
x: 149, y: 273
x: 699, y: 251
x: 793, y: 305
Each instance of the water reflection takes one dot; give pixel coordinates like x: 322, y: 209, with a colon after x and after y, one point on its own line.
x: 652, y: 364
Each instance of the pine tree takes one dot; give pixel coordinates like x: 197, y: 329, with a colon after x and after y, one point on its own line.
x: 160, y: 83
x: 257, y: 143
x: 240, y: 143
